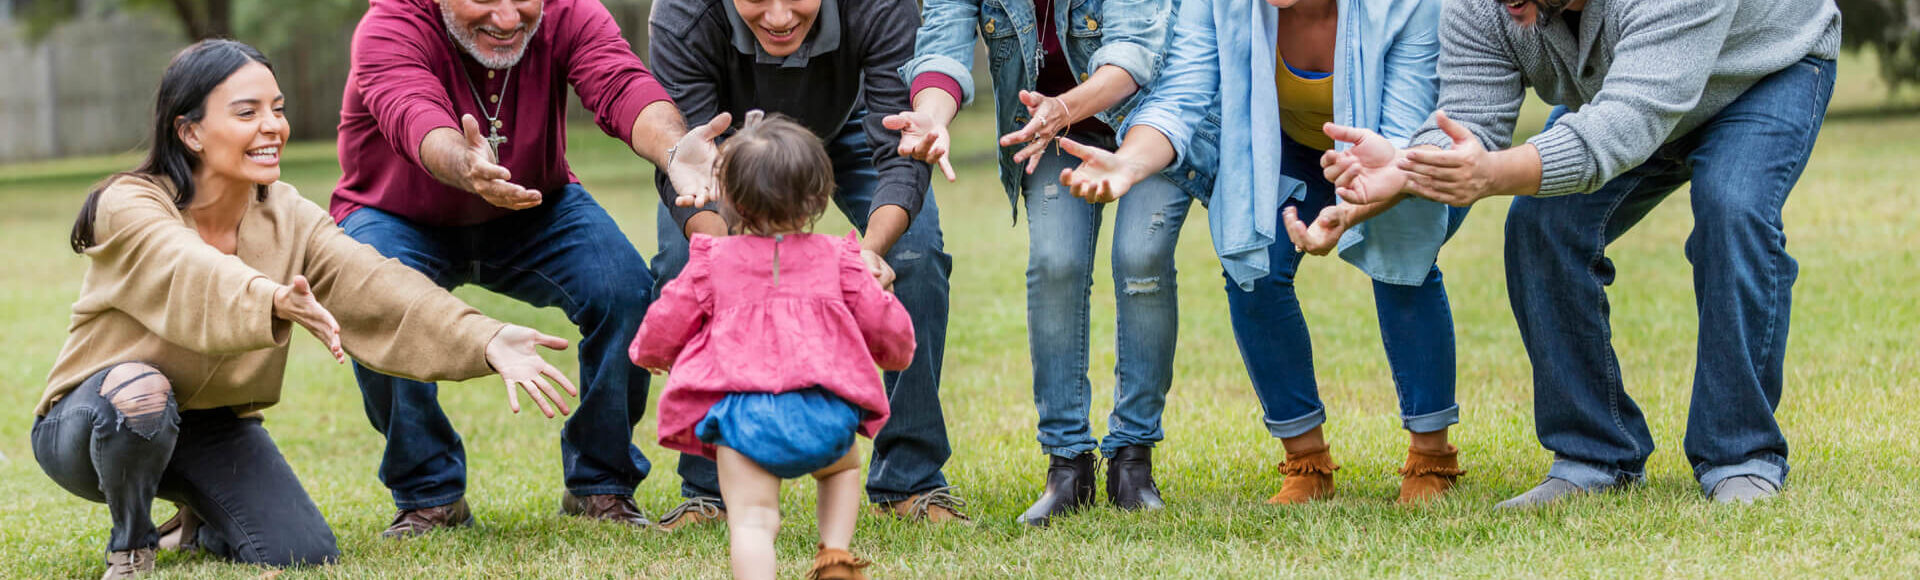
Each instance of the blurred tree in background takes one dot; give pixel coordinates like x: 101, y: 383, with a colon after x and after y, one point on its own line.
x: 1891, y: 29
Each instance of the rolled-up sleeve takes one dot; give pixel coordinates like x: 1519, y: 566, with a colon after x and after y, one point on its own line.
x: 1133, y: 37
x: 944, y: 43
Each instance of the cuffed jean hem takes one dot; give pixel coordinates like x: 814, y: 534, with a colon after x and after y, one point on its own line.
x: 1298, y: 425
x: 420, y: 503
x: 1070, y: 451
x: 601, y: 490
x: 1590, y: 477
x: 1773, y: 470
x: 1431, y: 422
x: 1112, y: 444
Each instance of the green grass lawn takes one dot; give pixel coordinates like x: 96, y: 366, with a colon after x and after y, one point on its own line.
x: 1849, y: 411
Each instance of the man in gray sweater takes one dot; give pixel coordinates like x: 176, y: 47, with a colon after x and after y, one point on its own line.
x: 1652, y: 94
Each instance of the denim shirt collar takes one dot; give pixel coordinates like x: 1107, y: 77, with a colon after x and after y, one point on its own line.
x: 824, y: 38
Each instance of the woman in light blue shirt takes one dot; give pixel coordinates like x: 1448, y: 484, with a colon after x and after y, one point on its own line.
x: 1243, y: 97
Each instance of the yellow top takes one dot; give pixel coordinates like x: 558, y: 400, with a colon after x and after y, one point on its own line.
x: 1305, y: 105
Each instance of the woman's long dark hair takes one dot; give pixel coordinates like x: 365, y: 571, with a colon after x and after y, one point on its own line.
x: 182, y: 99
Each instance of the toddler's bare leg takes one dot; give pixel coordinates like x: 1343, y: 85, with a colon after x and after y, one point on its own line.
x: 753, y: 514
x: 839, y: 503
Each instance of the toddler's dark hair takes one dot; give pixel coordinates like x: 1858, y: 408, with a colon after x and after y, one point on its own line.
x: 775, y: 176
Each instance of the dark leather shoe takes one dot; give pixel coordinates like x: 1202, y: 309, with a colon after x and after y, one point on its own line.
x: 1130, y: 479
x: 1069, y: 487
x: 417, y: 522
x: 613, y: 508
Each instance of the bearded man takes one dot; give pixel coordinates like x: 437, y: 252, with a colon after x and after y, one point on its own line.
x: 453, y: 149
x: 1725, y: 95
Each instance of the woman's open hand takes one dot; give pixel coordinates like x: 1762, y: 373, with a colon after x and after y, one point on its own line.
x: 1368, y: 172
x: 514, y: 355
x: 1323, y: 234
x: 1049, y: 117
x: 296, y: 303
x: 1102, y: 176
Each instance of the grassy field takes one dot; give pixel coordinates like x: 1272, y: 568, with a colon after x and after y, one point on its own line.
x: 1848, y: 411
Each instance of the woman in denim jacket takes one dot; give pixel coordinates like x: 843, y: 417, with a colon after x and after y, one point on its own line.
x: 1069, y: 67
x: 1247, y: 94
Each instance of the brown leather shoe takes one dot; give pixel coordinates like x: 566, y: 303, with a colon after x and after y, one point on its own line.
x: 418, y: 522
x: 1427, y: 476
x: 693, y: 512
x: 1309, y: 477
x: 614, y: 508
x: 935, y: 506
x: 128, y: 564
x: 182, y: 532
x: 837, y: 564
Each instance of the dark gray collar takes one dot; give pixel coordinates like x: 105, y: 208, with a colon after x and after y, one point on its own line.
x: 824, y: 38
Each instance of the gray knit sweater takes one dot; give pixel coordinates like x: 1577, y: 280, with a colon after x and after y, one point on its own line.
x: 1640, y: 73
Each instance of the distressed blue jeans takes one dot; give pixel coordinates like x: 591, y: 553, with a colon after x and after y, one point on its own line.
x: 1742, y: 165
x: 1063, y: 233
x: 912, y: 449
x: 1416, y: 325
x: 566, y: 252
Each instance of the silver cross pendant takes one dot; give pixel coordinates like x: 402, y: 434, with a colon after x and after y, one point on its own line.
x: 495, y: 140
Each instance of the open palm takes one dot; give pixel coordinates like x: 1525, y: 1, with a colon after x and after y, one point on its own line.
x: 1102, y: 176
x: 1367, y: 172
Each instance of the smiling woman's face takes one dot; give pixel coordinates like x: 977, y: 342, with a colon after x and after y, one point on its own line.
x: 779, y: 25
x: 244, y: 127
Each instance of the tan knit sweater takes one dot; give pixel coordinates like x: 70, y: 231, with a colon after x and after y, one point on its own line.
x: 156, y: 293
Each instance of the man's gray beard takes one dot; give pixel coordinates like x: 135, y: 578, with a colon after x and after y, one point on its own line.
x: 464, y: 37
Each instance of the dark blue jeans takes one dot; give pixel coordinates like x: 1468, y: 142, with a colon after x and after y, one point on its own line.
x: 225, y: 468
x: 1742, y: 164
x: 566, y: 252
x: 910, y: 451
x: 1415, y: 323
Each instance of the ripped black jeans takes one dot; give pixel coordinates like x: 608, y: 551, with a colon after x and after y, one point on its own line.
x: 223, y: 467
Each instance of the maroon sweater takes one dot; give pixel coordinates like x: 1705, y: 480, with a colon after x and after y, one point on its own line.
x: 409, y: 78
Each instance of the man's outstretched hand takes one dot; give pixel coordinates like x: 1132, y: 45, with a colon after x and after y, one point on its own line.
x: 922, y: 138
x: 478, y: 170
x: 690, y: 167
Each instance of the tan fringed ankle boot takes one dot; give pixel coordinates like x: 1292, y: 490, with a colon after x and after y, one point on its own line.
x: 1427, y: 476
x: 1309, y: 477
x: 837, y: 564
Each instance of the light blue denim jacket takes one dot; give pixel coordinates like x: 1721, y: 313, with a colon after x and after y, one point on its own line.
x: 1130, y: 34
x: 1222, y: 67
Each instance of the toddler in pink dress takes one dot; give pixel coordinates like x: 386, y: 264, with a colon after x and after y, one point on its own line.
x: 772, y: 337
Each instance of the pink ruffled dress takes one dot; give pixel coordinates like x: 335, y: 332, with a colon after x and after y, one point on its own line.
x: 756, y: 314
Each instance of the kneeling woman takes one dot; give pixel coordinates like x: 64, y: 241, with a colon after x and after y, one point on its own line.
x: 1294, y: 66
x: 201, y: 263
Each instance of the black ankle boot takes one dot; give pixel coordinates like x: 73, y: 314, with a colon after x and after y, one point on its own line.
x: 1130, y: 479
x: 1069, y: 487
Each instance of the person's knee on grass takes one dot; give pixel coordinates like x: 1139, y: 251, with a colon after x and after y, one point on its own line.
x: 141, y: 396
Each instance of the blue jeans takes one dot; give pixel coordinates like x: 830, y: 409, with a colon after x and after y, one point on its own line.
x: 1742, y: 164
x: 1416, y: 325
x: 911, y: 449
x: 1064, y: 231
x: 566, y: 252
